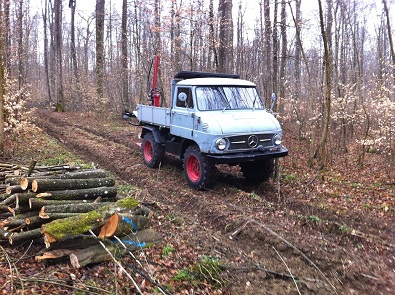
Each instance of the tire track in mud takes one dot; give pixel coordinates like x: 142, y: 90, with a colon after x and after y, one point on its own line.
x: 214, y: 215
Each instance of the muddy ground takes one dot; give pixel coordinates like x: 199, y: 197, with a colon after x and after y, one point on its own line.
x: 332, y: 230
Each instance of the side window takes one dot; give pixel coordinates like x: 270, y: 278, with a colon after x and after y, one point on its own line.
x: 181, y: 101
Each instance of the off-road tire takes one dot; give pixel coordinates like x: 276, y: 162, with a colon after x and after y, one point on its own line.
x: 197, y: 168
x: 257, y: 171
x: 152, y: 151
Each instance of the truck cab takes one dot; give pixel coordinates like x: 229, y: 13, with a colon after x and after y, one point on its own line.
x: 213, y: 119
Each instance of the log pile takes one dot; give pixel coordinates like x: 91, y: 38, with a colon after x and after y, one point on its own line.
x: 76, y: 213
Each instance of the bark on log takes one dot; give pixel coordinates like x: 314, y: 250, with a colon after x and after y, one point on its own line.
x: 97, y: 253
x: 13, y: 223
x: 83, y: 174
x: 24, y: 198
x: 16, y: 238
x: 13, y: 180
x: 62, y: 229
x: 3, y: 196
x: 80, y: 194
x: 13, y: 189
x: 69, y: 208
x: 4, y: 234
x: 42, y: 185
x: 123, y: 224
x: 37, y: 221
x: 4, y: 208
x: 19, y: 210
x: 56, y: 168
x: 10, y: 200
x: 38, y: 203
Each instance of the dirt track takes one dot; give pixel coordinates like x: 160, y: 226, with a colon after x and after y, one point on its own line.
x: 260, y: 236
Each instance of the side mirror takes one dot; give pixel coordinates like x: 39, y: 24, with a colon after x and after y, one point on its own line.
x: 182, y: 96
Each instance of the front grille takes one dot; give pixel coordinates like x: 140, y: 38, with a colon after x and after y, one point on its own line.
x: 240, y: 142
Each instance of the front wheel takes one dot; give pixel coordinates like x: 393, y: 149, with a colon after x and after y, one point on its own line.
x: 153, y: 152
x: 198, y: 170
x: 257, y: 171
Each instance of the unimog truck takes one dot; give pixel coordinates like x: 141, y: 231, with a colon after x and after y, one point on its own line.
x: 212, y: 119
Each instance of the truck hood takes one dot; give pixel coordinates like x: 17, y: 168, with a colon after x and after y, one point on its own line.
x: 246, y: 121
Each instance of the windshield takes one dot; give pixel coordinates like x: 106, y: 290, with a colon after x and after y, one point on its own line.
x: 211, y: 98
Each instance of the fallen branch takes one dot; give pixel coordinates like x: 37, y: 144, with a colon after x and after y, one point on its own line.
x: 293, y: 278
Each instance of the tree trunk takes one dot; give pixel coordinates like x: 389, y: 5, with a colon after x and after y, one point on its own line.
x: 322, y: 148
x: 46, y: 52
x: 2, y: 85
x: 42, y: 185
x: 284, y: 45
x: 80, y: 194
x: 72, y: 5
x: 58, y: 53
x: 124, y: 57
x: 391, y: 44
x: 100, y: 13
x: 212, y: 47
x: 225, y: 42
x: 66, y: 228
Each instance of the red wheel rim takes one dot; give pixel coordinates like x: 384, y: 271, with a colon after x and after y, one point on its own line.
x: 148, y: 151
x: 193, y: 168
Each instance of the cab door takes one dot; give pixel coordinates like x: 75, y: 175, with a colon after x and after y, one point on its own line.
x: 183, y: 113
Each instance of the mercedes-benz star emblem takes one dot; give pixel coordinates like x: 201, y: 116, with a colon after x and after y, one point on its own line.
x: 252, y: 141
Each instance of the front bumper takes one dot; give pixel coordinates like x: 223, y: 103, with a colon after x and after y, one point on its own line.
x: 237, y: 158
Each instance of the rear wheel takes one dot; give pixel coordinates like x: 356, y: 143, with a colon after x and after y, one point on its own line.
x: 257, y: 171
x: 153, y: 152
x: 198, y: 170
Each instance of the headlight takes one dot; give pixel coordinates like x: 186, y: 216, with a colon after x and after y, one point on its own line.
x: 277, y: 139
x: 220, y: 144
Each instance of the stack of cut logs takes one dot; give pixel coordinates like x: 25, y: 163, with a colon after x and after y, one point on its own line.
x: 76, y: 213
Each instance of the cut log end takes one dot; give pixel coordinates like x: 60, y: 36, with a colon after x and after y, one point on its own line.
x: 34, y: 185
x: 110, y: 227
x: 48, y: 239
x: 24, y: 183
x: 42, y: 213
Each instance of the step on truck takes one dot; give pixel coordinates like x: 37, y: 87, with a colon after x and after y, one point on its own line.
x: 212, y: 119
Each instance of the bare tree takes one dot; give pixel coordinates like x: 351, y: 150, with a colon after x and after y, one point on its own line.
x: 283, y: 58
x: 268, y: 48
x: 58, y: 54
x: 124, y: 57
x: 2, y: 83
x: 322, y: 147
x: 72, y: 5
x: 213, y: 54
x: 46, y: 51
x: 391, y: 44
x: 7, y: 37
x: 100, y: 47
x: 225, y: 42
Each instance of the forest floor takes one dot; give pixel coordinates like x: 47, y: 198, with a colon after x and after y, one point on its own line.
x: 307, y: 232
